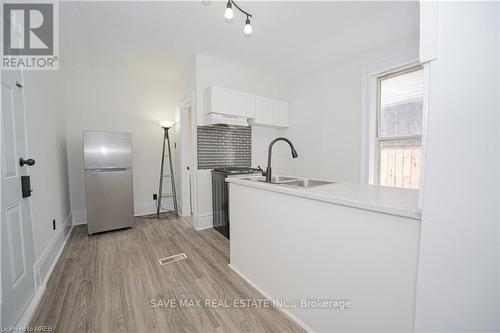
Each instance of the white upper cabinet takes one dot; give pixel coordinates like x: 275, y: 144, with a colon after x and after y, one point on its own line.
x: 229, y: 102
x: 271, y: 112
x: 263, y: 110
x: 258, y: 109
x: 281, y: 114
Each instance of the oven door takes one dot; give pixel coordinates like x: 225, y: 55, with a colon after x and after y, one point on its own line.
x: 220, y: 203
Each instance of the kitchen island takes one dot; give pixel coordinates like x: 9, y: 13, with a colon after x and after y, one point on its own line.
x: 337, y: 242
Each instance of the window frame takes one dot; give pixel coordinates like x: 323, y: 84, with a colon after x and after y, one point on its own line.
x: 376, y: 139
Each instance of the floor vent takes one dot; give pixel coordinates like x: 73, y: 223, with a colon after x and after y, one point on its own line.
x: 173, y: 258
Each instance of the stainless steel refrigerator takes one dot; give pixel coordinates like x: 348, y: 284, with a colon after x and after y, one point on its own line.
x: 108, y: 180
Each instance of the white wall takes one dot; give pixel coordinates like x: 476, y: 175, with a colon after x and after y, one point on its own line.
x: 45, y: 121
x: 458, y: 276
x: 212, y: 71
x: 184, y: 86
x: 114, y: 100
x: 326, y: 113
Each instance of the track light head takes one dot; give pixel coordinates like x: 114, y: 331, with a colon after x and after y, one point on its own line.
x: 248, y: 27
x: 228, y: 13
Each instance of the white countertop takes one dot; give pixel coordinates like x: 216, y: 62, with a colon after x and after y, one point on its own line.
x: 388, y: 200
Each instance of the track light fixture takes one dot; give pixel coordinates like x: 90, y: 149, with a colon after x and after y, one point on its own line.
x: 229, y: 14
x: 229, y: 11
x: 248, y: 27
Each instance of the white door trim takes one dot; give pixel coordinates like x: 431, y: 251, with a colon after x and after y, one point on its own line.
x: 187, y: 143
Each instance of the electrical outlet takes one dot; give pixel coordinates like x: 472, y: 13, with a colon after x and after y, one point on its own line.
x: 155, y: 196
x: 54, y: 224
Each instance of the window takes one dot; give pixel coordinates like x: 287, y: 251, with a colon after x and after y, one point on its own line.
x: 399, y: 128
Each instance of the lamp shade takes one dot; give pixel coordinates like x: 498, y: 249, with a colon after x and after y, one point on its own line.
x: 166, y: 123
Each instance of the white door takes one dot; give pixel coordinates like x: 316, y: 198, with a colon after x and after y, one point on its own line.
x: 18, y: 283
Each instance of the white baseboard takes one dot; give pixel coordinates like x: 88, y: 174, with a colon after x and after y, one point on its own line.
x: 30, y: 309
x: 284, y: 311
x: 203, y: 221
x: 43, y: 268
x: 146, y: 208
x: 140, y: 208
x: 44, y: 265
x: 79, y: 217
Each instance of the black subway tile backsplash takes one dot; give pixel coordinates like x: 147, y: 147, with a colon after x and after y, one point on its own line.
x: 224, y: 146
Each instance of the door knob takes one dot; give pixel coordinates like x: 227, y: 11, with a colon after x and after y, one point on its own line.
x: 29, y: 161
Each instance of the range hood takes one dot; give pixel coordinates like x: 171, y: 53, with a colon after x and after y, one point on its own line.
x: 217, y: 119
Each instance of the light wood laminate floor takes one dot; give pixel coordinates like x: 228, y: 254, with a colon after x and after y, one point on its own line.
x: 105, y: 283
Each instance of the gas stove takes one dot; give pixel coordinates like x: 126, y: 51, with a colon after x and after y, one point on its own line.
x: 237, y: 170
x: 220, y: 194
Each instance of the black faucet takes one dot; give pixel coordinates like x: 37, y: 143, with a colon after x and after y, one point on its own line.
x: 268, y: 171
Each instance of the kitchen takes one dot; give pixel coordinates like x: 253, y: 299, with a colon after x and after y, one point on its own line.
x: 289, y: 166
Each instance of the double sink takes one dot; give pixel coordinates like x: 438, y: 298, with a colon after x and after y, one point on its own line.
x: 293, y: 181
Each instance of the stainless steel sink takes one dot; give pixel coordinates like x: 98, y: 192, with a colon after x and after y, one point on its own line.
x: 307, y: 183
x: 280, y: 179
x: 291, y: 181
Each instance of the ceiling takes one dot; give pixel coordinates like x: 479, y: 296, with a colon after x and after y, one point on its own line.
x: 159, y: 38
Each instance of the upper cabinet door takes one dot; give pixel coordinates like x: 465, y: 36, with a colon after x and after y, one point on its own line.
x: 264, y: 110
x: 281, y: 114
x: 229, y: 102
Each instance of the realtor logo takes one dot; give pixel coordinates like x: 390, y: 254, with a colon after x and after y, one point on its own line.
x: 29, y: 36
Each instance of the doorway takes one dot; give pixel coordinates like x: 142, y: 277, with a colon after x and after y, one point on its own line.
x: 187, y: 160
